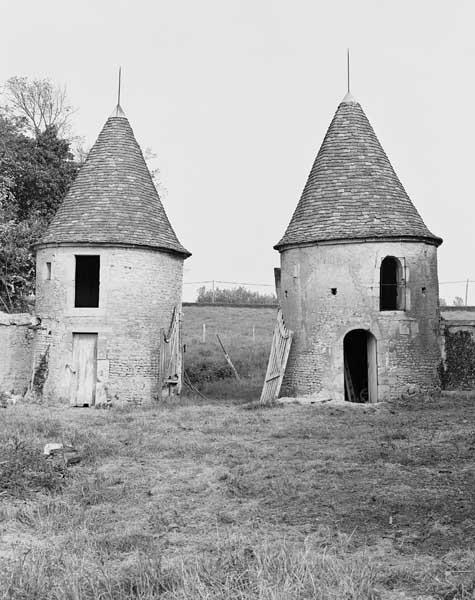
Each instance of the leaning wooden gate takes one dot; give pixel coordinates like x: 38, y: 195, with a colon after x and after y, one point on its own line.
x: 171, y: 357
x: 279, y: 354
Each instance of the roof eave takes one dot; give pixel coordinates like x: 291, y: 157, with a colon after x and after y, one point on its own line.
x: 181, y: 252
x: 431, y: 240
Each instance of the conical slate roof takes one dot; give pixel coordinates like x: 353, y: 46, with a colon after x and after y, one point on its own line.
x: 113, y: 199
x: 352, y: 191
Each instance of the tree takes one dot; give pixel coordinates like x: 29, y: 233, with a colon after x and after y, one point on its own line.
x: 442, y: 302
x: 17, y: 265
x: 35, y: 174
x: 40, y: 103
x: 458, y: 301
x: 40, y: 170
x: 150, y: 157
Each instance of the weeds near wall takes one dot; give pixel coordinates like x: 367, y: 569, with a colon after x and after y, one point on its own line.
x: 40, y: 374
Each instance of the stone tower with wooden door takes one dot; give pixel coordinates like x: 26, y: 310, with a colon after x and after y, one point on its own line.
x: 358, y: 278
x: 109, y: 278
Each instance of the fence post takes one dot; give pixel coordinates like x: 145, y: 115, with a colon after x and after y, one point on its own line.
x: 203, y: 338
x: 228, y: 358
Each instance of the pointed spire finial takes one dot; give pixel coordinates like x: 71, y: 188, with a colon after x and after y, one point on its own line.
x: 118, y: 91
x: 118, y: 112
x: 348, y: 99
x: 348, y: 69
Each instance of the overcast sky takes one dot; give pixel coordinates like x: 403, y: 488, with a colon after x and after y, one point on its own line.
x: 235, y: 97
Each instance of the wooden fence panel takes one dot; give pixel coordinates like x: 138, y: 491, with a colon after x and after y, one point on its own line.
x: 279, y: 353
x: 171, y: 357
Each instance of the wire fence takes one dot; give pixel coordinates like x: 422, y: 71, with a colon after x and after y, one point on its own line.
x: 216, y: 281
x: 452, y: 293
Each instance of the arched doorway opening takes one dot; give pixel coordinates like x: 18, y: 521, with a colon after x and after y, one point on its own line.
x: 360, y: 366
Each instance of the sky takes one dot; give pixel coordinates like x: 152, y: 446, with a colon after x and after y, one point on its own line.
x: 235, y: 96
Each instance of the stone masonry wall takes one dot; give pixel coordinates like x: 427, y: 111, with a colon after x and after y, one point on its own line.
x: 408, y: 353
x: 138, y: 291
x: 16, y: 352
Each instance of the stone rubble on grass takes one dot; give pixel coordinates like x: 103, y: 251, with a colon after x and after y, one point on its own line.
x: 52, y: 448
x: 321, y: 400
x: 7, y: 399
x: 68, y: 453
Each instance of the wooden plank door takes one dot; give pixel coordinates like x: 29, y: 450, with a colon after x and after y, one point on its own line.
x: 84, y: 369
x: 372, y: 368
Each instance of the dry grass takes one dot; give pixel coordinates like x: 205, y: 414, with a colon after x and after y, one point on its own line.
x: 215, y: 501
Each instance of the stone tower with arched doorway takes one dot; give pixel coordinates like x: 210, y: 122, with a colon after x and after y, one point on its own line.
x: 358, y: 277
x: 109, y: 278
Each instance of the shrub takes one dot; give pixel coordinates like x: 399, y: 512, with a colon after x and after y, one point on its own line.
x: 239, y: 295
x: 203, y: 371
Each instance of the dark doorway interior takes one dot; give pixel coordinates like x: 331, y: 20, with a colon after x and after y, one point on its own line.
x: 355, y: 348
x: 87, y: 281
x: 360, y: 366
x: 389, y: 284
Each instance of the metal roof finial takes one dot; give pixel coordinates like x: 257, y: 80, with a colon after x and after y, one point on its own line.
x: 118, y: 91
x: 348, y: 69
x: 348, y: 99
x: 118, y: 112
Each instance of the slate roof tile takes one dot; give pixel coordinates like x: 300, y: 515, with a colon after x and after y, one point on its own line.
x: 113, y: 199
x: 352, y: 191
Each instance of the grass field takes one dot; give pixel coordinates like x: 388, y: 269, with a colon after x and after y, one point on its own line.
x: 205, y: 362
x: 226, y: 501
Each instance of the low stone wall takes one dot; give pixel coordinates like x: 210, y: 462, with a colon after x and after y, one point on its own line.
x: 16, y: 352
x: 457, y: 371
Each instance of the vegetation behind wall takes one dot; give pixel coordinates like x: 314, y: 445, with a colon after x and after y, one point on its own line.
x: 36, y: 170
x: 458, y: 370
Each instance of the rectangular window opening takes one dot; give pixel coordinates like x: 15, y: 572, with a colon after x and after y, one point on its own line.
x: 87, y: 281
x: 48, y: 271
